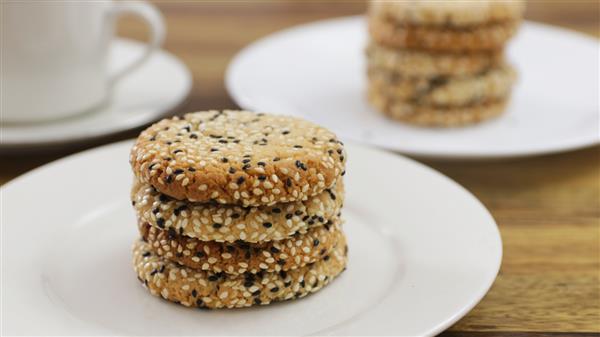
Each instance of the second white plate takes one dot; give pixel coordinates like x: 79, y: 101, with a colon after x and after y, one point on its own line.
x: 317, y: 71
x: 423, y: 252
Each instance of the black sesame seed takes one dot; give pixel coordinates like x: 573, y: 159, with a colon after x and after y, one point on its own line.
x: 276, y: 159
x: 341, y: 158
x: 236, y: 141
x: 274, y: 250
x: 155, y: 210
x: 153, y: 272
x: 274, y: 289
x: 230, y: 249
x: 245, y: 161
x: 302, y: 284
x: 200, y: 254
x: 215, y: 136
x: 298, y: 213
x: 151, y: 167
x: 248, y: 284
x: 132, y: 202
x: 169, y: 179
x: 194, y: 293
x: 160, y: 222
x: 285, y: 132
x: 171, y: 233
x: 213, y: 278
x: 298, y: 146
x: 224, y: 160
x: 262, y: 177
x: 186, y: 128
x: 162, y: 269
x: 316, y: 242
x: 245, y: 167
x: 177, y: 151
x: 261, y: 163
x: 178, y: 171
x: 257, y: 301
x: 240, y: 180
x: 326, y: 258
x: 223, y: 141
x: 288, y: 182
x: 216, y: 225
x: 322, y: 251
x: 281, y: 262
x: 214, y: 150
x: 194, y: 136
x: 146, y: 254
x: 289, y: 216
x: 267, y: 224
x: 343, y: 173
x: 163, y: 198
x: 231, y: 170
x: 283, y: 274
x: 287, y: 284
x: 191, y: 169
x: 153, y: 138
x: 235, y: 215
x: 276, y: 210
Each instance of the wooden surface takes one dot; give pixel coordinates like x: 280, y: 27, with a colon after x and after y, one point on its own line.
x: 547, y: 208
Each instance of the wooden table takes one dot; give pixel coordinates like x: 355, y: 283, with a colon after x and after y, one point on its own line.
x: 547, y: 208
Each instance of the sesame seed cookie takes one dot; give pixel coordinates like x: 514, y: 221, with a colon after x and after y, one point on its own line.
x: 240, y: 257
x: 449, y: 13
x: 415, y: 63
x: 485, y: 37
x: 238, y: 157
x: 492, y: 85
x: 427, y: 115
x: 193, y: 288
x: 230, y: 223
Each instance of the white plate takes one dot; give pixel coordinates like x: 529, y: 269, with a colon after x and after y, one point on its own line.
x: 317, y: 71
x: 423, y: 252
x: 145, y: 95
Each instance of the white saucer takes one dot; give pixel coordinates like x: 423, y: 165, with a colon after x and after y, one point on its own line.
x: 317, y: 71
x: 145, y: 95
x: 423, y: 251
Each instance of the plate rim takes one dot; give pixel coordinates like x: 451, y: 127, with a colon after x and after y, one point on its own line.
x: 576, y: 142
x: 8, y: 145
x: 441, y: 326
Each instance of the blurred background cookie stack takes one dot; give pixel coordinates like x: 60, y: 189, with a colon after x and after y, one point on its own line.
x: 237, y: 208
x: 441, y: 63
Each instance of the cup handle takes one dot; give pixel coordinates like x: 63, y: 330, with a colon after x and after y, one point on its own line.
x: 154, y: 20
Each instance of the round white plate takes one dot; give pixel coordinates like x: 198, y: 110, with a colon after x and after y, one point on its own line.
x: 145, y: 95
x: 317, y: 71
x: 423, y: 252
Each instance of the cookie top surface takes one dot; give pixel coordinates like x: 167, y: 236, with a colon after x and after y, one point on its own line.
x: 238, y: 157
x: 449, y: 13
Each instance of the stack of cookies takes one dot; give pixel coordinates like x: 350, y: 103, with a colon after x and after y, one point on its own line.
x: 237, y: 208
x: 441, y: 63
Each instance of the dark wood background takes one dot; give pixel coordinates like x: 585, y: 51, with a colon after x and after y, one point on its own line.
x: 547, y: 208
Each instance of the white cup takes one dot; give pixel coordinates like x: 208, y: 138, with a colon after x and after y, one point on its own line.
x: 54, y: 55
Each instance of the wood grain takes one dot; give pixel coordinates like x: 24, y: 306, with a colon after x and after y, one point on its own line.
x: 547, y: 208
